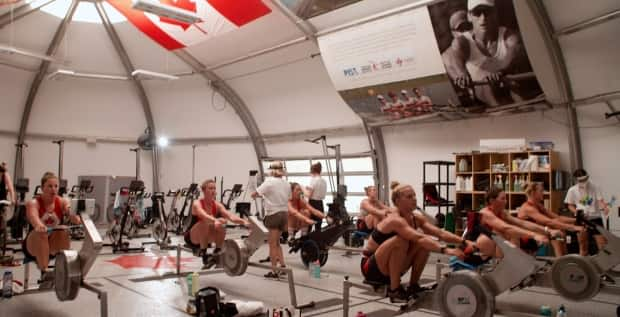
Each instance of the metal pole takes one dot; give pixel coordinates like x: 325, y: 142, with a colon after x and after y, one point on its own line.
x: 588, y: 23
x: 61, y: 144
x: 19, y: 160
x: 193, y: 163
x: 137, y: 150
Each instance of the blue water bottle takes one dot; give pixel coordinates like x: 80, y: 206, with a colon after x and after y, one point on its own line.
x: 7, y: 284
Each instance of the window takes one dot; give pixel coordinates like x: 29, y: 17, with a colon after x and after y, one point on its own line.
x: 360, y: 164
x: 85, y: 11
x: 356, y: 184
x: 301, y: 166
x: 358, y: 173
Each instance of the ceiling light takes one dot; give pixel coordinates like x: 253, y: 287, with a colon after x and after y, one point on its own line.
x: 14, y: 50
x: 162, y: 10
x: 146, y: 74
x: 162, y: 141
x: 59, y: 73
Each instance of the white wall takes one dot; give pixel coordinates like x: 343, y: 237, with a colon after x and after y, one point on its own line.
x: 187, y: 108
x: 408, y: 146
x: 87, y: 107
x: 14, y: 85
x: 294, y: 94
x: 601, y: 154
x: 83, y: 159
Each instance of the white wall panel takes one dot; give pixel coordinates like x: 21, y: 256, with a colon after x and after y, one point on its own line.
x: 14, y: 90
x: 601, y: 154
x: 292, y: 97
x: 564, y: 13
x: 409, y: 146
x: 84, y: 159
x: 592, y: 59
x: 87, y: 107
x: 188, y: 108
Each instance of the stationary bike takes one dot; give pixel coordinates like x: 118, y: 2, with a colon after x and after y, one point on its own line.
x: 5, y: 215
x: 160, y: 225
x: 181, y: 219
x: 79, y: 203
x: 136, y: 188
x: 170, y: 218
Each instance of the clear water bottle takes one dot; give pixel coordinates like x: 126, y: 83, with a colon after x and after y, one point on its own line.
x: 545, y: 311
x: 561, y: 312
x: 316, y: 273
x: 7, y: 284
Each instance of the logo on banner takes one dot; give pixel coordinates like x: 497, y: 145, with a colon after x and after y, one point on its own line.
x: 218, y: 17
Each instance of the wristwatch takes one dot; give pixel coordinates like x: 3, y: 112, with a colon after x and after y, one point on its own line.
x: 442, y: 250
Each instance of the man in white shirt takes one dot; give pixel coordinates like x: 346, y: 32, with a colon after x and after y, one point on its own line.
x: 275, y: 192
x: 588, y: 197
x: 316, y: 192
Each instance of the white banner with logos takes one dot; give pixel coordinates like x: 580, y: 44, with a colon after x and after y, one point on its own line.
x: 396, y: 48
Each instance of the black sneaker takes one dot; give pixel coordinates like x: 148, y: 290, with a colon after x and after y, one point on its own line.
x: 47, y: 280
x: 398, y: 295
x: 271, y: 274
x: 208, y: 261
x: 413, y: 290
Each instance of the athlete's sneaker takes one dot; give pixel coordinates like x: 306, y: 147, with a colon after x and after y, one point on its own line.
x: 271, y: 274
x: 398, y: 295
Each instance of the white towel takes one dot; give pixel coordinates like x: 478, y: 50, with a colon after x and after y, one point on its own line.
x: 247, y: 309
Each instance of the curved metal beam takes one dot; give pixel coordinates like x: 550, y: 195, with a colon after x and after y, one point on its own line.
x: 377, y: 147
x: 235, y: 101
x: 128, y: 65
x: 36, y: 83
x: 588, y: 23
x: 21, y: 12
x: 537, y: 7
x: 304, y: 26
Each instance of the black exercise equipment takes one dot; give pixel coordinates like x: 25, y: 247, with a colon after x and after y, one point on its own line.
x: 232, y: 193
x: 135, y: 189
x: 160, y: 224
x: 181, y: 220
x: 19, y: 222
x: 79, y: 192
x: 612, y: 114
x: 315, y: 245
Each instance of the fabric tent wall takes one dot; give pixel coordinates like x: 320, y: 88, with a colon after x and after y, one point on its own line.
x: 232, y: 161
x: 83, y: 159
x: 187, y: 108
x: 288, y: 90
x: 601, y: 153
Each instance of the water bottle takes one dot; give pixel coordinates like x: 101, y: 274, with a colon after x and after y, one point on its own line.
x: 7, y: 284
x: 561, y: 312
x: 189, y: 284
x: 545, y: 311
x: 316, y: 273
x: 195, y: 283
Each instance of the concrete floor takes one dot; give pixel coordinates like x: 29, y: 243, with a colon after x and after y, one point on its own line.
x: 128, y: 296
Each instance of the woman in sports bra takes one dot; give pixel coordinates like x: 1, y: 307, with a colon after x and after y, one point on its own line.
x: 43, y: 212
x: 400, y: 241
x: 300, y: 213
x: 208, y: 224
x: 372, y: 210
x: 533, y: 210
x: 494, y: 217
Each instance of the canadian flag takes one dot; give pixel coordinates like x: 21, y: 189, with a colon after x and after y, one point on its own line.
x: 218, y: 17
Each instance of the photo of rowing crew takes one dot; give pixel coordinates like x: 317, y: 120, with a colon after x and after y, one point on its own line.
x: 405, y: 104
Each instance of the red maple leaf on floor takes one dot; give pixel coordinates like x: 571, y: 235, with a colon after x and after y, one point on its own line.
x: 181, y: 4
x: 147, y: 261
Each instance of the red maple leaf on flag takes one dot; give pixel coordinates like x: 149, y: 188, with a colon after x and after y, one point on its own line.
x: 181, y: 4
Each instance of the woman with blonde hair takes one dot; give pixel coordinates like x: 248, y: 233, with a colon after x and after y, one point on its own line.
x: 403, y: 240
x: 300, y: 213
x: 372, y: 210
x: 533, y: 210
